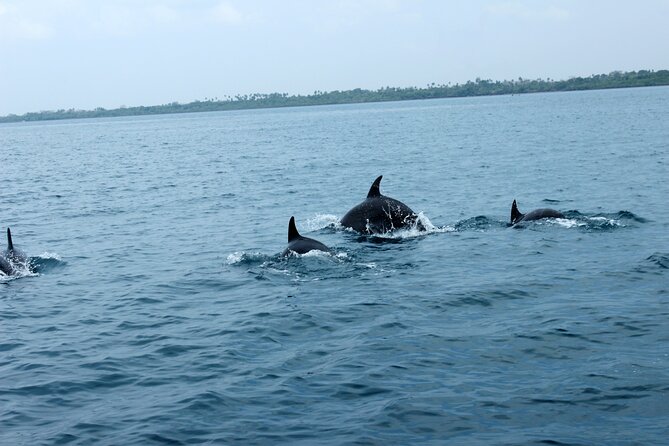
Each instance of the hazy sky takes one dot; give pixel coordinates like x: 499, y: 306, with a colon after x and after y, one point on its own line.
x: 88, y: 53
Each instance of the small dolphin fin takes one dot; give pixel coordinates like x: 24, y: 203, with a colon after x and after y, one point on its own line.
x: 515, y: 213
x: 374, y: 191
x: 292, y: 230
x: 10, y: 245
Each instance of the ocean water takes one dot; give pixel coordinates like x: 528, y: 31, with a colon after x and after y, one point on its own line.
x: 157, y: 309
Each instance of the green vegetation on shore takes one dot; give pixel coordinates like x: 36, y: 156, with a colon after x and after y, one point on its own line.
x: 479, y: 87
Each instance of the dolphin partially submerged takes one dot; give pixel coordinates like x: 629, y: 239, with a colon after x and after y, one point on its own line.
x: 537, y: 214
x: 379, y: 214
x: 11, y: 258
x: 299, y: 244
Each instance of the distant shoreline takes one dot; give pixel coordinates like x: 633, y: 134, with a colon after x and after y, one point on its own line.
x: 479, y: 87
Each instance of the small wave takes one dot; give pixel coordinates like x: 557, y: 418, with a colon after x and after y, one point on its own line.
x: 656, y: 263
x: 485, y: 298
x: 581, y: 222
x: 50, y: 255
x: 586, y: 222
x: 322, y: 221
x: 659, y: 259
x: 256, y: 258
x: 614, y: 219
x: 309, y: 267
x: 312, y: 254
x: 431, y: 228
x: 604, y: 223
x: 627, y: 215
x: 479, y: 223
x: 342, y: 255
x: 567, y: 222
x: 47, y: 261
x: 245, y: 258
x: 316, y: 254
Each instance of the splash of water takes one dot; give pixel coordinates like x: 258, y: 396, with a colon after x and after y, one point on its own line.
x: 321, y: 221
x: 420, y: 228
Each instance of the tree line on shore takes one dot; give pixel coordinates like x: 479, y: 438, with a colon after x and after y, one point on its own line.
x: 479, y: 87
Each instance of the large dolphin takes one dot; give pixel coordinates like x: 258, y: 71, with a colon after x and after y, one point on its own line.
x: 299, y: 244
x: 11, y: 257
x: 536, y: 214
x: 379, y: 214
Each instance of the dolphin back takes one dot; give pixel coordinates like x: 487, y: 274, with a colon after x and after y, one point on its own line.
x: 379, y: 215
x: 303, y: 245
x: 536, y: 214
x: 299, y: 244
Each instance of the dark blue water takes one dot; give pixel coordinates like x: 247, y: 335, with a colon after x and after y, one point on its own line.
x: 158, y: 310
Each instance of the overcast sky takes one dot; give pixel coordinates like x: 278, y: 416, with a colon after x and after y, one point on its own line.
x: 106, y: 53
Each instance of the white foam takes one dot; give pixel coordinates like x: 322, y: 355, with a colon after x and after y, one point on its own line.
x: 50, y: 256
x: 567, y: 222
x: 316, y: 253
x: 337, y: 256
x: 429, y: 227
x: 320, y: 221
x: 605, y: 220
x: 415, y: 231
x: 235, y: 257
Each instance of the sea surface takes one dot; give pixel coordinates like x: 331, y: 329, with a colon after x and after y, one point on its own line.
x: 157, y: 308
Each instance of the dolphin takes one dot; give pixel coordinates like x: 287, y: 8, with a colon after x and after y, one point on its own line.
x: 537, y: 214
x: 11, y: 257
x: 379, y: 214
x: 299, y: 244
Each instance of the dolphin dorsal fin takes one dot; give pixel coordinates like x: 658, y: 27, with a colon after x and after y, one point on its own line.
x: 515, y: 213
x: 292, y: 230
x: 374, y: 191
x: 10, y: 245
